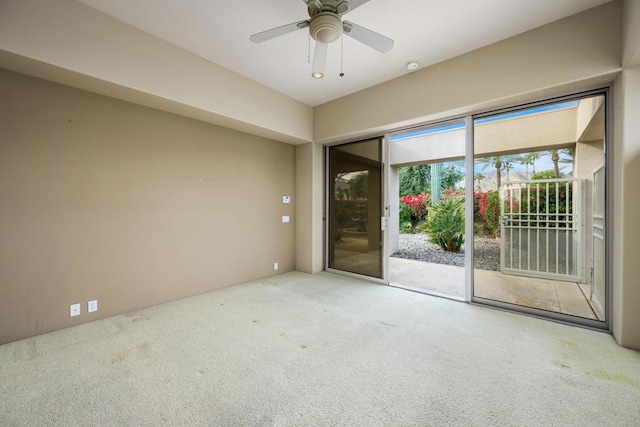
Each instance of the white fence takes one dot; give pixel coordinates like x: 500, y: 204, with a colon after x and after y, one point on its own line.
x: 542, y: 229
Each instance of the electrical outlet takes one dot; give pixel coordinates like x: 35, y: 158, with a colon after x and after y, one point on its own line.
x: 275, y: 265
x: 74, y: 310
x: 285, y: 218
x: 92, y: 306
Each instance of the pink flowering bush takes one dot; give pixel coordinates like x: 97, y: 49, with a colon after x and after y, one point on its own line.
x: 487, y: 212
x: 418, y: 207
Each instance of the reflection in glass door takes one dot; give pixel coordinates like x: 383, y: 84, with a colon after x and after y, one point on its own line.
x: 539, y: 204
x: 355, y: 208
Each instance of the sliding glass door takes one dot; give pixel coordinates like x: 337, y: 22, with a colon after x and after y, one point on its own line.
x: 504, y: 208
x: 355, y: 240
x: 540, y: 196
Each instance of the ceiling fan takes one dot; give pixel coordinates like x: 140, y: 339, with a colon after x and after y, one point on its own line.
x: 326, y: 26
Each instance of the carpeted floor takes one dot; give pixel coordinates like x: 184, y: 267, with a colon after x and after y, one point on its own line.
x: 321, y: 350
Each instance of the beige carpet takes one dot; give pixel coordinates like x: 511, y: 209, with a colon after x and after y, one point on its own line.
x: 306, y: 350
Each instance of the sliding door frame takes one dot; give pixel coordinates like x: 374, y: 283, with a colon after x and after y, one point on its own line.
x: 384, y: 154
x: 608, y: 161
x: 469, y: 120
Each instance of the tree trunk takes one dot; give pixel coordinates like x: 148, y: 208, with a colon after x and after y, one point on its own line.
x: 556, y: 169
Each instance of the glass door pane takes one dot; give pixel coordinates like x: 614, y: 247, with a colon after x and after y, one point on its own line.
x: 427, y: 202
x: 355, y: 208
x: 539, y: 208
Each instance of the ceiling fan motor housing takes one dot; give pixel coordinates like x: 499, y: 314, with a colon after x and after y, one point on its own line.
x: 325, y: 27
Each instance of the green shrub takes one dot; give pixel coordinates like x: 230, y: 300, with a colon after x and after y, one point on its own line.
x: 538, y: 199
x: 486, y: 213
x: 445, y: 224
x: 492, y: 213
x: 549, y: 174
x: 405, y: 219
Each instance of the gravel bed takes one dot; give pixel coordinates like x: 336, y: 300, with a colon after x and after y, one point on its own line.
x: 419, y: 247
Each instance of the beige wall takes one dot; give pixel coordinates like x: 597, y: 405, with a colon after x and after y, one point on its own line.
x: 631, y: 33
x: 102, y: 199
x: 626, y: 198
x: 588, y: 129
x: 71, y: 43
x: 536, y: 132
x: 584, y: 49
x: 309, y: 207
x: 626, y: 241
x: 441, y: 146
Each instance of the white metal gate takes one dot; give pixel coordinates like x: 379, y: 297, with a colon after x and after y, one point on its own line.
x: 542, y: 229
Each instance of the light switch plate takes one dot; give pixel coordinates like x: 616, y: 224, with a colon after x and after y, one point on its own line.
x: 285, y: 218
x: 74, y: 310
x: 286, y: 199
x: 92, y: 306
x: 275, y: 265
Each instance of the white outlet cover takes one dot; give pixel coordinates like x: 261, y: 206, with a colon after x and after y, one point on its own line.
x: 74, y: 310
x: 275, y: 265
x: 92, y: 306
x: 285, y: 218
x: 286, y: 199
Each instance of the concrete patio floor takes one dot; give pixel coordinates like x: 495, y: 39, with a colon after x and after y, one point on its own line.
x: 446, y: 280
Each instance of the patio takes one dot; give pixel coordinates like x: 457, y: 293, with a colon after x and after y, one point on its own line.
x: 448, y: 281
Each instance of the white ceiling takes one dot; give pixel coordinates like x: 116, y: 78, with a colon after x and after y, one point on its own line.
x: 428, y: 31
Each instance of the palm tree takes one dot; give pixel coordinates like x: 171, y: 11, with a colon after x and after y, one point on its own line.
x: 556, y: 158
x: 507, y: 164
x: 569, y: 156
x: 534, y: 156
x: 496, y: 162
x: 529, y: 159
x: 478, y: 177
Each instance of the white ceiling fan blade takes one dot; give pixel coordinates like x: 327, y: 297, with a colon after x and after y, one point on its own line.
x: 372, y: 39
x: 278, y: 31
x: 319, y: 59
x: 356, y: 3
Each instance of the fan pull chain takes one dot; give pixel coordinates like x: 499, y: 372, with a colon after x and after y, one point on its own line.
x: 342, y: 56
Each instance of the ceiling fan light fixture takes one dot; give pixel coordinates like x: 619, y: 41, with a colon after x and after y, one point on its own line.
x: 326, y: 27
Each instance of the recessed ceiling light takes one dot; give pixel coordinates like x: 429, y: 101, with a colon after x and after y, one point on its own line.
x: 412, y: 65
x: 317, y: 75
